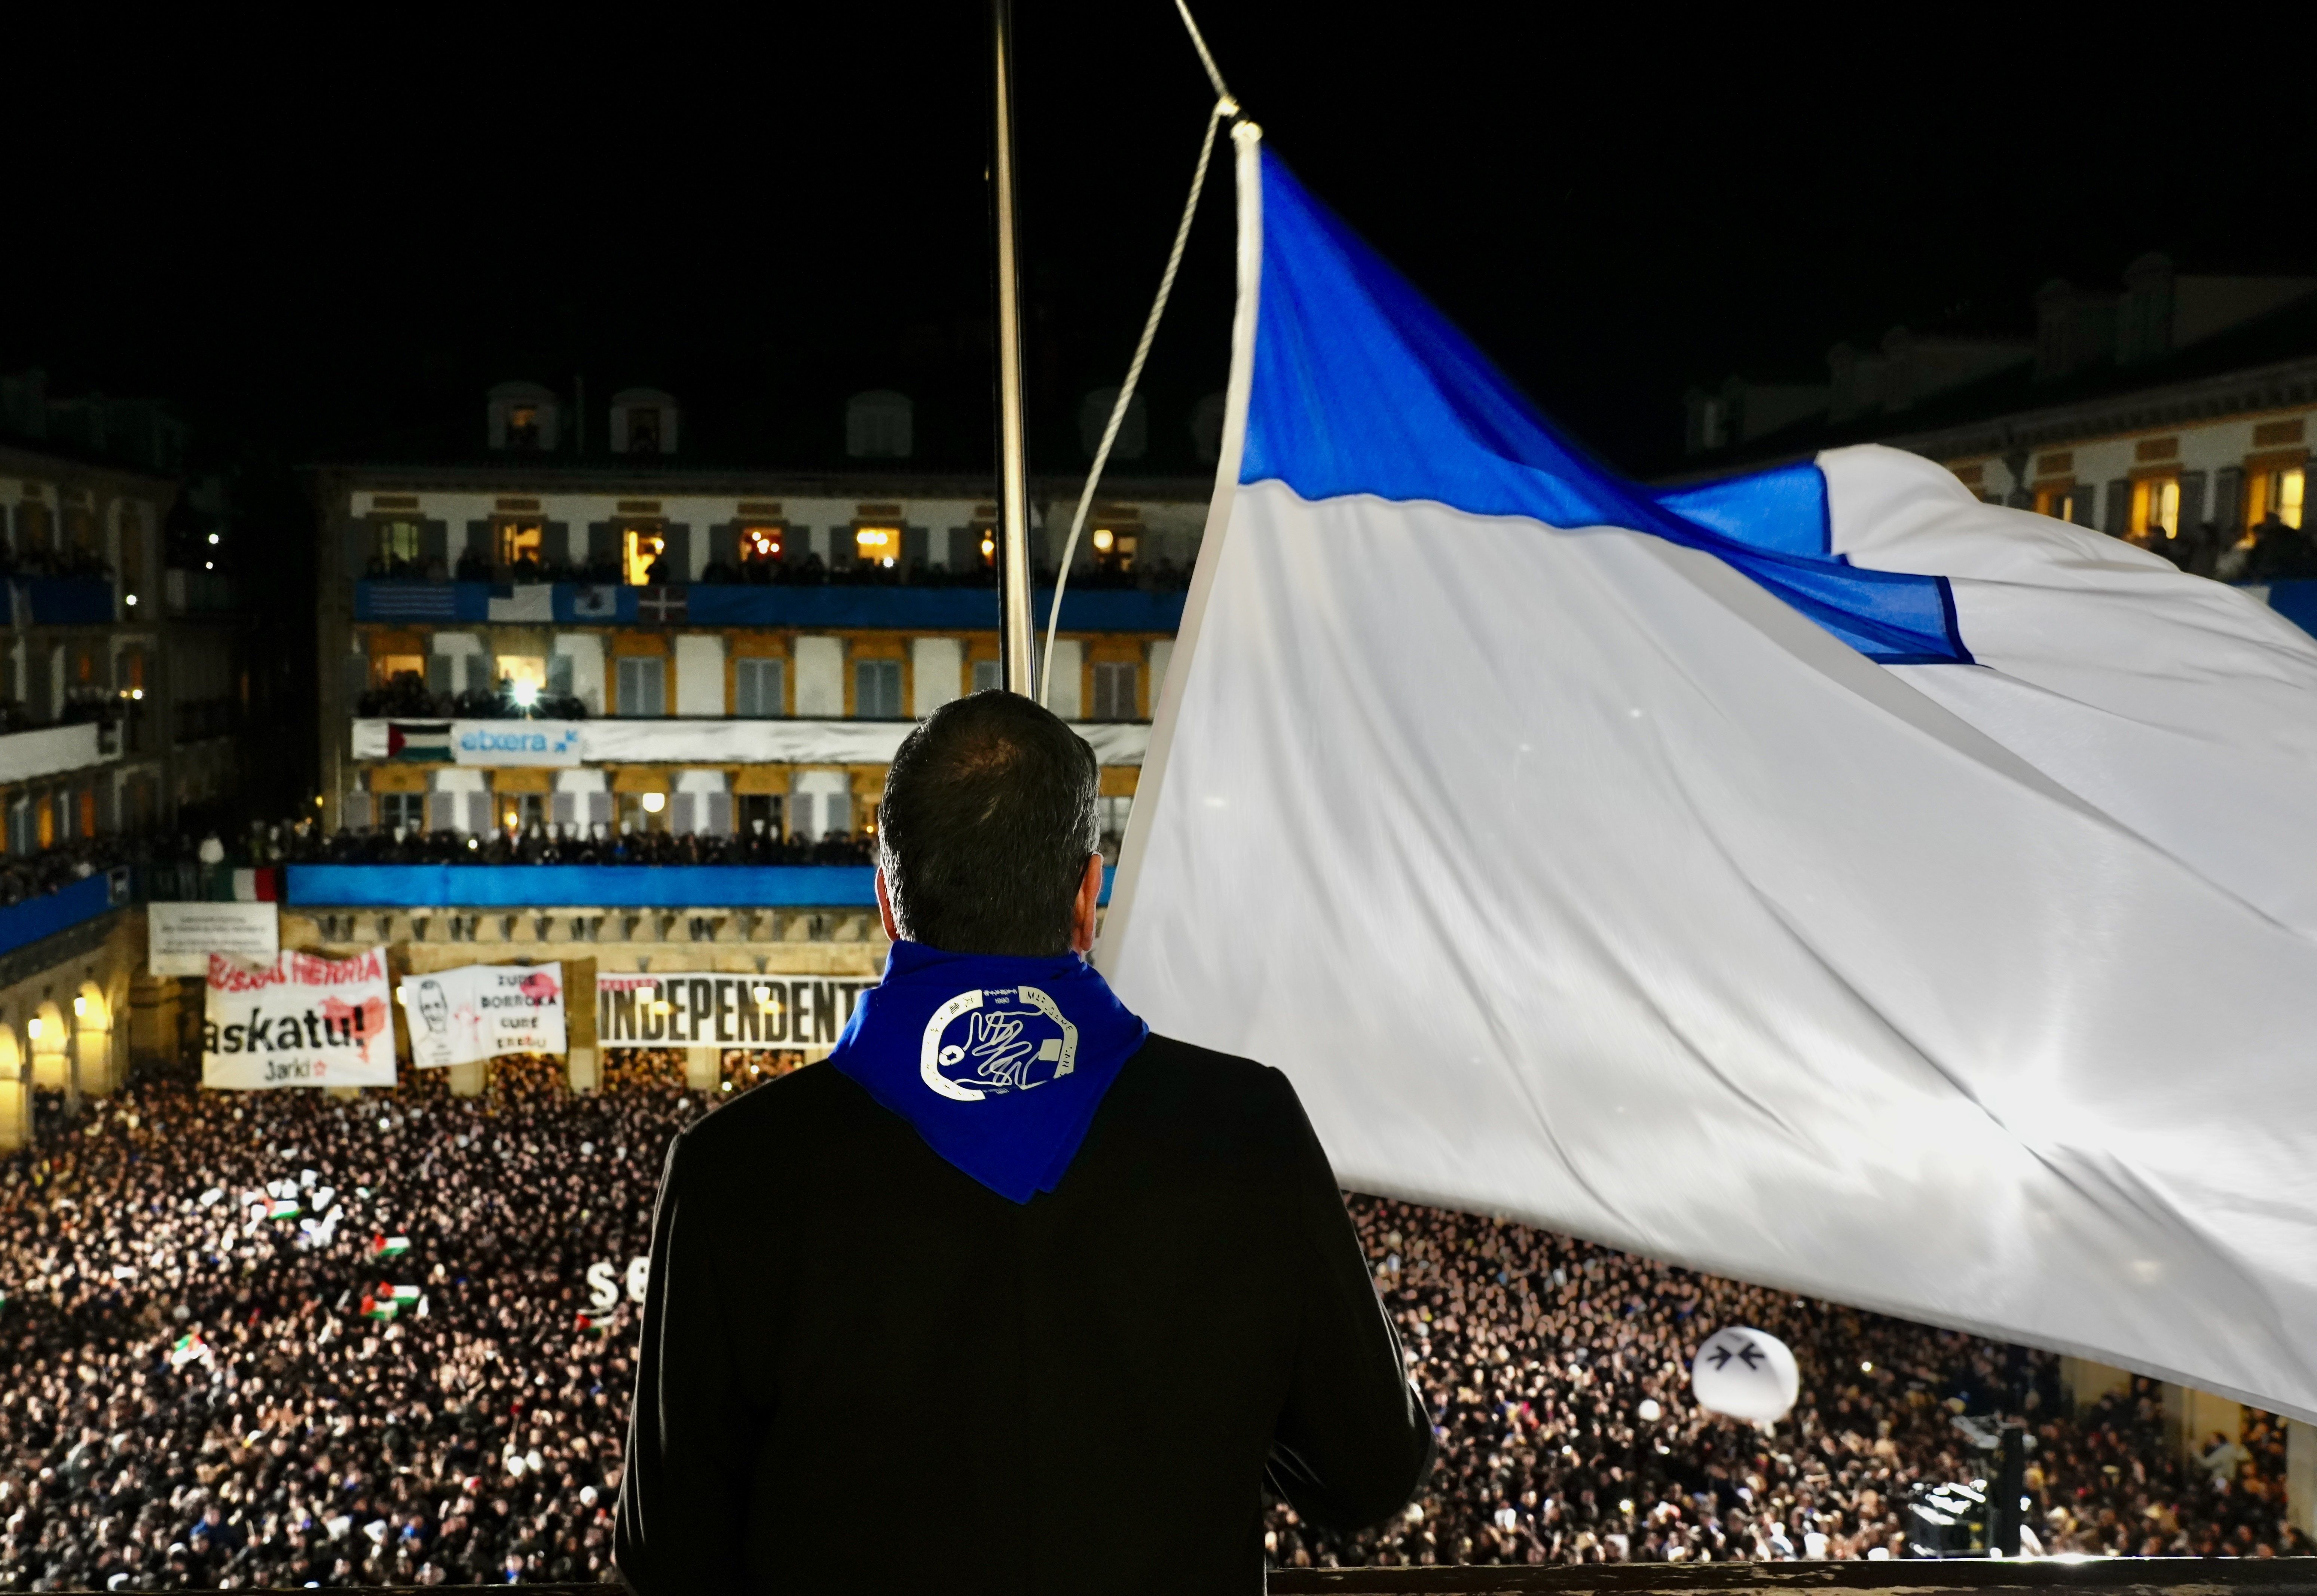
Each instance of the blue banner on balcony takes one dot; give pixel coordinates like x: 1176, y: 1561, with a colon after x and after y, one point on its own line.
x: 586, y: 885
x: 831, y: 608
x: 23, y: 924
x: 64, y: 601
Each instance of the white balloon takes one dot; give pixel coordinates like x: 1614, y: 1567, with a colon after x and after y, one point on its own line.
x: 1746, y: 1374
x: 1648, y: 1411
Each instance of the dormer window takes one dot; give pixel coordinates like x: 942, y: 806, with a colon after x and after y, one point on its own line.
x: 524, y: 417
x: 643, y: 423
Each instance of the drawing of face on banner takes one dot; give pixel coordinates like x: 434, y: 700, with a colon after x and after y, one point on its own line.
x: 483, y: 1010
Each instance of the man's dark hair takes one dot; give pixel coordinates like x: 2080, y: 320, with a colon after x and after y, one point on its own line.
x: 988, y: 821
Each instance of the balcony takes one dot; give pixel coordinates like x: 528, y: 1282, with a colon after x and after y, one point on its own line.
x: 199, y: 593
x: 61, y: 601
x: 624, y: 887
x: 569, y: 744
x: 705, y: 604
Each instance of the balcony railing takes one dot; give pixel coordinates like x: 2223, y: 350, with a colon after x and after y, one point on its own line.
x: 621, y: 739
x: 610, y: 885
x: 832, y: 608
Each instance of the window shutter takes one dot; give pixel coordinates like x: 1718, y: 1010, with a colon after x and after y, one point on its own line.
x: 478, y: 542
x: 2119, y: 520
x: 2192, y: 501
x: 355, y: 811
x: 555, y: 544
x: 478, y: 812
x: 2228, y: 498
x: 678, y: 552
x: 442, y: 811
x: 720, y: 814
x: 599, y: 808
x: 680, y: 807
x: 835, y: 811
x: 2081, y: 505
x: 915, y: 542
x: 434, y: 541
x: 563, y: 808
x: 438, y: 673
x: 558, y: 676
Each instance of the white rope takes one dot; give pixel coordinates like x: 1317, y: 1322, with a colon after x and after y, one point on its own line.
x: 1225, y: 107
x: 1199, y: 43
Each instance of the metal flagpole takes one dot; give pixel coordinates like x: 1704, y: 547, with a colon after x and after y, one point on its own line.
x: 1017, y: 661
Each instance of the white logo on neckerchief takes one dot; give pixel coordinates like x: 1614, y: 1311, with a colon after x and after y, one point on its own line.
x: 1011, y: 1038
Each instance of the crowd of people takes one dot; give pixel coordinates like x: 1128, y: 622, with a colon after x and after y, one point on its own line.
x: 27, y: 875
x: 270, y: 1339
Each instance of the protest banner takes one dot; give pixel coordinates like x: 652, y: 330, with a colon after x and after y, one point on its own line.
x: 481, y: 1010
x: 301, y: 1020
x: 710, y: 1008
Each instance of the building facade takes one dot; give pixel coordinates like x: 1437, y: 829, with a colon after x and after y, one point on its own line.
x: 2176, y: 412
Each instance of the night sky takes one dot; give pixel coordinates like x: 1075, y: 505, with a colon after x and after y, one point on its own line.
x: 328, y: 247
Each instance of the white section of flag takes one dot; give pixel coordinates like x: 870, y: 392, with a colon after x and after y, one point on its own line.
x: 1571, y: 876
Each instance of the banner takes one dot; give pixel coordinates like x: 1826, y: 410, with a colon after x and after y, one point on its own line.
x: 298, y: 1022
x: 181, y: 937
x: 709, y: 1009
x: 569, y: 744
x: 481, y: 1010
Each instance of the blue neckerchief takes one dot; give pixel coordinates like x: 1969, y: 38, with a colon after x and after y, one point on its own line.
x: 999, y: 1063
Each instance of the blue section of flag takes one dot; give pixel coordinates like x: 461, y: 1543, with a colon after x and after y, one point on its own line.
x: 1361, y: 387
x: 604, y: 886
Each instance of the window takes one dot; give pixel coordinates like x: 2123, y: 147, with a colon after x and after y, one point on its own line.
x: 878, y: 545
x: 643, y: 429
x: 560, y: 676
x: 1113, y: 549
x: 2275, y: 492
x: 643, y: 685
x: 988, y: 675
x: 877, y: 690
x: 20, y: 837
x: 388, y: 666
x: 641, y: 545
x: 80, y: 527
x: 398, y: 539
x: 760, y: 544
x: 522, y: 677
x: 2156, y: 507
x: 2061, y: 501
x: 402, y: 809
x: 522, y: 426
x: 519, y: 542
x: 1114, y: 691
x: 32, y: 526
x: 758, y: 688
x: 1112, y: 812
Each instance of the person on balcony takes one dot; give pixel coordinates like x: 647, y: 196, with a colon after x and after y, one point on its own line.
x: 1074, y: 1290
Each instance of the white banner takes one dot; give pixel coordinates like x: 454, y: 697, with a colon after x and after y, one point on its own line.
x: 572, y: 743
x: 481, y: 1010
x: 298, y: 1021
x: 181, y: 937
x: 710, y: 1008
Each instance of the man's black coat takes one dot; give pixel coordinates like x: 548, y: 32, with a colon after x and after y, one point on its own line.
x: 862, y: 1369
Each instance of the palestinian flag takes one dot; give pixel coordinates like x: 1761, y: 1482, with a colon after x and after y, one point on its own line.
x: 418, y: 740
x: 189, y: 1346
x: 388, y: 1246
x: 373, y: 1307
x: 402, y: 1295
x: 284, y: 1207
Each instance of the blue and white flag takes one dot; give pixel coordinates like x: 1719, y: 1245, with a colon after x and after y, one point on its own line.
x: 1820, y: 878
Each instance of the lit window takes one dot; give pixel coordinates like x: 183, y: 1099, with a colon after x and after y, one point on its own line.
x: 2061, y: 501
x: 760, y: 545
x: 2156, y: 507
x: 522, y: 427
x: 989, y: 548
x: 398, y: 541
x: 521, y: 542
x: 2275, y: 494
x: 522, y: 677
x: 388, y: 666
x: 643, y: 547
x: 878, y: 545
